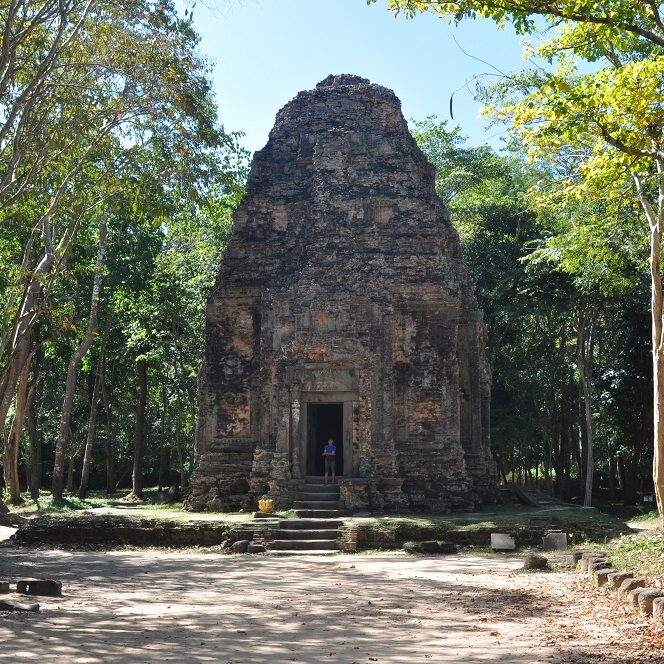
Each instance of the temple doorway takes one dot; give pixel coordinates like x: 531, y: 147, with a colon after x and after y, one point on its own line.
x: 324, y: 421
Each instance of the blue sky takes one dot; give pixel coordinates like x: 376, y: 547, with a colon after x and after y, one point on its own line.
x: 266, y: 51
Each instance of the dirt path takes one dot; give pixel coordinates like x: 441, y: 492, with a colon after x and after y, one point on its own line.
x: 158, y: 606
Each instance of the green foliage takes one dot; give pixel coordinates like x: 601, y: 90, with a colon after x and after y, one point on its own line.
x: 537, y: 267
x: 129, y: 129
x: 642, y: 554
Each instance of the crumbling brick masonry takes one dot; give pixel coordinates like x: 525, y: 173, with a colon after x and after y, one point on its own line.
x: 343, y: 310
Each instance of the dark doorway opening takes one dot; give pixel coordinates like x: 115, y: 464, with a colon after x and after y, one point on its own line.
x: 324, y: 421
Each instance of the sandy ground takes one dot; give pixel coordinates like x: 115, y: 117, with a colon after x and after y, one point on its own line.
x: 158, y: 606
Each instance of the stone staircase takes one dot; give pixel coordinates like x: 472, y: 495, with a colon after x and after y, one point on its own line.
x: 316, y: 528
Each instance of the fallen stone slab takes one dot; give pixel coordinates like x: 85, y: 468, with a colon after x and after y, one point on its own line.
x: 13, y: 605
x: 615, y: 579
x: 646, y: 598
x: 4, y: 587
x: 46, y: 587
x: 658, y: 610
x: 555, y: 541
x: 241, y: 546
x: 630, y: 584
x: 533, y: 561
x: 601, y: 576
x: 502, y: 542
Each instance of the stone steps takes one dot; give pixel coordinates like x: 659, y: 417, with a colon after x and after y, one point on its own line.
x: 319, y: 480
x: 318, y: 495
x: 303, y: 545
x: 319, y: 486
x: 310, y: 524
x: 298, y: 552
x: 315, y: 530
x: 303, y: 534
x: 316, y: 505
x: 318, y: 513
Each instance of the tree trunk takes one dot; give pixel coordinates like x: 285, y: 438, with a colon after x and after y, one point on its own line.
x: 35, y: 442
x: 92, y: 427
x: 658, y: 390
x: 21, y: 340
x: 108, y: 440
x: 585, y: 346
x: 70, y: 474
x: 655, y: 222
x: 139, y: 427
x: 612, y: 476
x: 72, y: 369
x: 162, y: 439
x: 13, y: 443
x: 178, y: 440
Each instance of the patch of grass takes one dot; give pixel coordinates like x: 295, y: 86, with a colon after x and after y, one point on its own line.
x: 508, y: 516
x: 528, y: 525
x: 72, y: 504
x: 627, y: 512
x: 639, y: 553
x: 73, y: 507
x: 45, y: 504
x: 646, y: 516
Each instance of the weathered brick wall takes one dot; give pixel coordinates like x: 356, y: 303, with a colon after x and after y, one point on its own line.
x: 343, y: 282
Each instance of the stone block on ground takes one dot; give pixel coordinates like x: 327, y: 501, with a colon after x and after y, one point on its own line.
x: 502, y: 542
x: 533, y: 561
x: 255, y: 547
x: 46, y: 587
x: 241, y: 546
x: 586, y: 558
x: 601, y: 576
x: 646, y: 599
x: 615, y: 579
x: 630, y: 584
x: 556, y: 541
x: 658, y: 610
x: 4, y: 587
x: 13, y: 605
x: 633, y: 596
x: 598, y: 564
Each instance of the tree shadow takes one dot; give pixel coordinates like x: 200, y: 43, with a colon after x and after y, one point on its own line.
x: 153, y: 606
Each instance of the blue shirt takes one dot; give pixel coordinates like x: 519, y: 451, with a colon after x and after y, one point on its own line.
x: 329, y: 450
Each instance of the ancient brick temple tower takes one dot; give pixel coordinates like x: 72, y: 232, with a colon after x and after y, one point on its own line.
x: 342, y: 310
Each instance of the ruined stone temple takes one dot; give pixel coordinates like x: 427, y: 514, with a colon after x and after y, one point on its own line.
x: 342, y: 310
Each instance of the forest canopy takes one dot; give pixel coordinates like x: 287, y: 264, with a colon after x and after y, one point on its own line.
x: 601, y: 126
x: 117, y: 186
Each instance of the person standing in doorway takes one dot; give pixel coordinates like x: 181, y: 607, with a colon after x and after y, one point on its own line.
x: 330, y: 454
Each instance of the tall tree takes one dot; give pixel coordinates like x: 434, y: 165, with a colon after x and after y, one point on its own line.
x: 614, y: 113
x: 81, y: 97
x: 78, y: 355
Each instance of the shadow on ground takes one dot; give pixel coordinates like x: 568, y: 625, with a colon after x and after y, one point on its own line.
x: 153, y: 606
